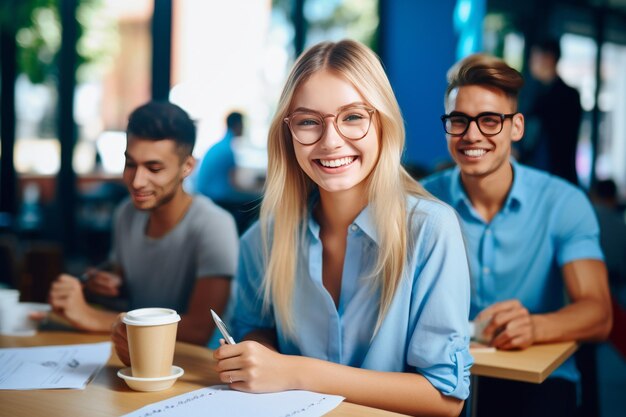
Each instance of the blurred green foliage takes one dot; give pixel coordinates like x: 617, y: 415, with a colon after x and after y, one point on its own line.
x: 36, y: 25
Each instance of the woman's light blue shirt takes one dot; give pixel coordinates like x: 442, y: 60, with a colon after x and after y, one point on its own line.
x: 425, y: 329
x: 544, y: 223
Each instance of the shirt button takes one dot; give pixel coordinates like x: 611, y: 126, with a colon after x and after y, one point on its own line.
x: 488, y: 232
x: 486, y: 270
x: 354, y: 227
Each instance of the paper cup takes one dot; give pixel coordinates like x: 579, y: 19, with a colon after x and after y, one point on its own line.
x: 151, y: 336
x: 8, y: 301
x: 7, y: 313
x: 14, y: 318
x: 9, y: 296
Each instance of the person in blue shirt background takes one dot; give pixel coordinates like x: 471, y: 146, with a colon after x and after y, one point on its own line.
x: 355, y: 281
x: 216, y: 177
x: 532, y: 239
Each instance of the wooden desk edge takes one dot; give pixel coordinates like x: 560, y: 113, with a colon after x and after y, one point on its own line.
x: 524, y: 375
x: 558, y: 362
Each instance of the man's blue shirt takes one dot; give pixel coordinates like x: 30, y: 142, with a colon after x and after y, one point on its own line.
x: 544, y: 223
x: 425, y: 329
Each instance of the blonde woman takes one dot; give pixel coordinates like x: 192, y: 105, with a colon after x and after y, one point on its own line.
x: 354, y: 282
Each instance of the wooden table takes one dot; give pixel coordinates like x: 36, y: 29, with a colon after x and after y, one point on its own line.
x: 533, y: 364
x: 108, y: 395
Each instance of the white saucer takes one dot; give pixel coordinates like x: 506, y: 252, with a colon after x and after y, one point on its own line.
x: 150, y: 384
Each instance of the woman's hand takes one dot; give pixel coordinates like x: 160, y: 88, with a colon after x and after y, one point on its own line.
x: 251, y: 367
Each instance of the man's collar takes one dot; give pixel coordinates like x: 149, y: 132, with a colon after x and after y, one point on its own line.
x: 457, y: 191
x: 517, y: 194
x: 515, y: 197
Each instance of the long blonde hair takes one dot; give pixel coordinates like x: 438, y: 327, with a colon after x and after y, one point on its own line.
x: 284, y: 207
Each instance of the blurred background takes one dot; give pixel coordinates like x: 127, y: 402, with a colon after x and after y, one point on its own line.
x: 72, y: 70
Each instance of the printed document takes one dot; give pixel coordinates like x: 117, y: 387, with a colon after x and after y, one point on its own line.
x: 48, y: 367
x: 219, y: 400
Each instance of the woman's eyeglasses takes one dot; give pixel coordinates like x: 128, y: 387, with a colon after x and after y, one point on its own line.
x: 308, y: 127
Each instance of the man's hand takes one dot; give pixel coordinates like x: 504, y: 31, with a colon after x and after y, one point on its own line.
x: 67, y: 299
x: 103, y: 283
x: 510, y: 325
x: 120, y: 340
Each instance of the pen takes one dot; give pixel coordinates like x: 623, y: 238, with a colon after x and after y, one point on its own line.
x: 222, y: 327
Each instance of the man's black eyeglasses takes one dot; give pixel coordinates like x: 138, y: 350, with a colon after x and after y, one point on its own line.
x: 489, y: 123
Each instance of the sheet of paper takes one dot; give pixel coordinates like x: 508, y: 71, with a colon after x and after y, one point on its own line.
x: 480, y: 347
x: 476, y: 330
x: 219, y: 400
x: 46, y: 367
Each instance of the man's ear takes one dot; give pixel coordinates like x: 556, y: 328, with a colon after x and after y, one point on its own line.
x: 188, y: 165
x: 517, y: 131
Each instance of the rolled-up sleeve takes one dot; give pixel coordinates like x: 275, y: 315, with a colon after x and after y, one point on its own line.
x: 439, y: 345
x: 248, y: 312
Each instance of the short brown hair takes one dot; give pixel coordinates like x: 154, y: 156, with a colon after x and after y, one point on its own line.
x: 485, y: 70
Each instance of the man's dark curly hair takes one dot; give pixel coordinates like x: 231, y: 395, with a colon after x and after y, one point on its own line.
x: 158, y: 120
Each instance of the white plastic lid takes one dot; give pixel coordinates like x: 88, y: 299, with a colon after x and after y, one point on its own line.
x: 151, y: 317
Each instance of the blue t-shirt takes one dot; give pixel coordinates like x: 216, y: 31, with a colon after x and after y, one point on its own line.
x: 544, y: 223
x: 214, y: 177
x: 425, y: 329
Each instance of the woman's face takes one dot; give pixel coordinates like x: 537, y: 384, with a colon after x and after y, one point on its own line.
x: 335, y: 163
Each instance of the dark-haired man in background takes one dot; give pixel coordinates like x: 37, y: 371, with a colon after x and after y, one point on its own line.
x: 553, y: 115
x: 170, y: 249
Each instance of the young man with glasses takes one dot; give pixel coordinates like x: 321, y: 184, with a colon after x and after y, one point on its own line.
x: 532, y: 239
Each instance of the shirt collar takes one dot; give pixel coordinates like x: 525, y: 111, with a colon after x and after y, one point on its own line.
x: 457, y: 192
x: 366, y: 223
x: 363, y: 221
x: 518, y: 193
x: 229, y: 135
x: 516, y: 196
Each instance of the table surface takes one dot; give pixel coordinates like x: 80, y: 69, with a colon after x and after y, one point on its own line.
x: 533, y: 364
x: 108, y: 395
